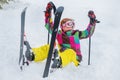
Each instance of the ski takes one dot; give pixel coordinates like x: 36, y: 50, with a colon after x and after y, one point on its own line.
x: 58, y: 14
x: 21, y: 56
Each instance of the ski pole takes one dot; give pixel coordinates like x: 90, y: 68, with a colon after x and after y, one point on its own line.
x: 48, y: 32
x: 90, y: 45
x: 89, y: 50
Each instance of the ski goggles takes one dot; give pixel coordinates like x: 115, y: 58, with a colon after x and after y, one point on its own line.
x: 69, y: 24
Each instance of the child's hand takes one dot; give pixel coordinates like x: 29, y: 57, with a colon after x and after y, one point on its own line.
x: 47, y: 14
x: 48, y: 10
x: 92, y: 17
x: 49, y: 7
x: 91, y: 14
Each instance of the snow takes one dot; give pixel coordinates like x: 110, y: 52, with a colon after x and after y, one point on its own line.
x: 105, y: 53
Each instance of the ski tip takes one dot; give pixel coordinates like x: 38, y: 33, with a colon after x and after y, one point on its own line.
x: 59, y: 9
x: 51, y: 2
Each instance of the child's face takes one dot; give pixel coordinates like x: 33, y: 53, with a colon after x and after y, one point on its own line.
x: 69, y: 25
x: 65, y: 29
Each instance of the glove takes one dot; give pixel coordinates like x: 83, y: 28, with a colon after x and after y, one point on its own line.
x: 48, y: 10
x: 92, y: 17
x: 47, y: 14
x: 49, y: 7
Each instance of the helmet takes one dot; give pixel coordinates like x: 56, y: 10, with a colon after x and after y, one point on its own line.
x: 64, y: 21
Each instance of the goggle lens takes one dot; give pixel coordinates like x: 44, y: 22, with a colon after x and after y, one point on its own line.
x: 69, y: 24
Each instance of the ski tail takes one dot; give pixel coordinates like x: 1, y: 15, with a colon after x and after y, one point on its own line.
x: 58, y: 14
x: 21, y: 56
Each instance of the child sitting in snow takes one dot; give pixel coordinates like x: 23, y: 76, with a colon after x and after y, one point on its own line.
x: 68, y: 42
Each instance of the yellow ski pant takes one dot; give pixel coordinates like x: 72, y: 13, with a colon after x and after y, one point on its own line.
x: 67, y: 56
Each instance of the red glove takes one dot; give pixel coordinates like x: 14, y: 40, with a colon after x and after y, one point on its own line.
x: 48, y: 10
x: 47, y: 14
x: 49, y: 7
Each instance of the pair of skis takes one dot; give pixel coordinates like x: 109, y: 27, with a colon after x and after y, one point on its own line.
x: 58, y: 13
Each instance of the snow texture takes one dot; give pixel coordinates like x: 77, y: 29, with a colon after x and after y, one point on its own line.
x: 105, y: 53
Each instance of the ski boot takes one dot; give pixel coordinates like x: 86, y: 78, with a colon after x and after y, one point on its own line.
x: 57, y: 60
x: 29, y: 53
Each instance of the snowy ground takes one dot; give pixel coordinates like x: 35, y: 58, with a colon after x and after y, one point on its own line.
x: 105, y: 51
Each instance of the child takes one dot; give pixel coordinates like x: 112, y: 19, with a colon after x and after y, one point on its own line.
x: 68, y: 42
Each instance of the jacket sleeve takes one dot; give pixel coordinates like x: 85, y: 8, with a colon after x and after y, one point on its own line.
x: 87, y: 32
x: 49, y: 24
